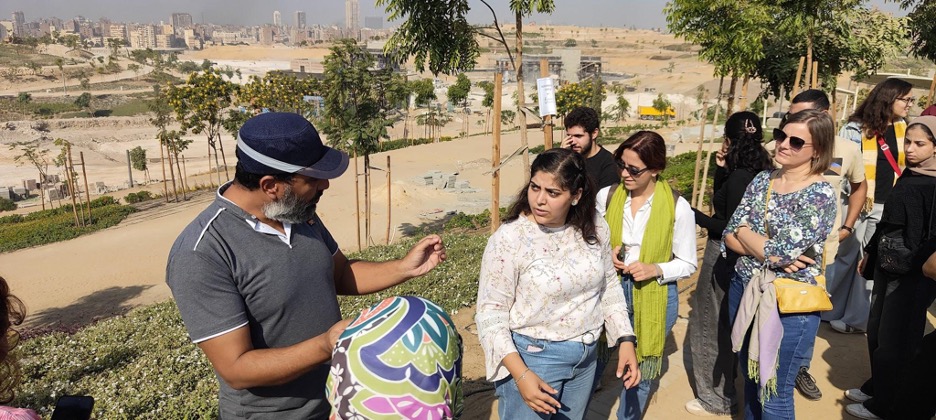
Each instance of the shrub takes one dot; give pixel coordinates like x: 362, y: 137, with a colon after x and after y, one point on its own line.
x: 104, y: 200
x: 7, y: 205
x: 138, y: 197
x: 680, y: 170
x: 54, y: 225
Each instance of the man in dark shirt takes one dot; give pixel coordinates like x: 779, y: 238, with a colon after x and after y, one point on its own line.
x: 582, y: 129
x: 256, y: 275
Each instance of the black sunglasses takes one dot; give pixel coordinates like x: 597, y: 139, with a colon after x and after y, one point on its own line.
x: 634, y: 172
x: 796, y: 143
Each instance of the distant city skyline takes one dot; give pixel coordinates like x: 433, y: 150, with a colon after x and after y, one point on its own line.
x: 621, y: 13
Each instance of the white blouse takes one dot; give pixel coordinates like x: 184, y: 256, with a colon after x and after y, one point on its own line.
x: 547, y: 284
x: 685, y: 258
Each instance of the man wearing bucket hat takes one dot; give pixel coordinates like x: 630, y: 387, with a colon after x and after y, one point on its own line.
x: 256, y: 275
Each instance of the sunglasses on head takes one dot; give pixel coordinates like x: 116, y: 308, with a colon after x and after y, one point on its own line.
x: 633, y: 171
x: 796, y: 143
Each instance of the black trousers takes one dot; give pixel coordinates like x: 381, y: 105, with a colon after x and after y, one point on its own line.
x: 895, y: 337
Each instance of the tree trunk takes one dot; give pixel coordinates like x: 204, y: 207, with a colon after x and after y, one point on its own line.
x: 367, y: 200
x: 809, y: 61
x: 732, y: 88
x: 42, y: 191
x: 169, y: 155
x: 521, y: 100
x: 214, y: 148
x: 181, y: 179
x: 223, y: 159
x: 162, y: 161
x: 744, y: 91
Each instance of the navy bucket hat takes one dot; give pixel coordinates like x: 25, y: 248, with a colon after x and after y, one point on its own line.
x: 286, y: 143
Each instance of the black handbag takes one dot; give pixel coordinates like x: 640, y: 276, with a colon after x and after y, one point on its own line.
x: 893, y: 255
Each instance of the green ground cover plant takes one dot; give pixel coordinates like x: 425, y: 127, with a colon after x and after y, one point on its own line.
x: 53, y: 225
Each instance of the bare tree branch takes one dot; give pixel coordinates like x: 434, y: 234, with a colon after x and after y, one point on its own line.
x: 499, y: 32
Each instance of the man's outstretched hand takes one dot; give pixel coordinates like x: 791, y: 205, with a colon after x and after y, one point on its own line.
x: 424, y: 256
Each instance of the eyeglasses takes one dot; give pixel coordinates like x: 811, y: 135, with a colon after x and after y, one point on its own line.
x: 633, y: 171
x: 909, y: 101
x: 796, y: 143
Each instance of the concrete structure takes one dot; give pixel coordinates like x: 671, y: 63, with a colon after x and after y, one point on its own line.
x: 117, y: 30
x: 6, y: 29
x: 266, y: 35
x: 164, y: 41
x: 19, y: 23
x: 7, y: 193
x: 352, y: 17
x: 299, y: 19
x: 181, y: 21
x: 227, y: 38
x: 143, y: 37
x: 569, y: 64
x: 277, y: 19
x: 192, y: 42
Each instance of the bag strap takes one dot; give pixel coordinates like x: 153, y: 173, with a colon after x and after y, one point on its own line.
x: 887, y: 153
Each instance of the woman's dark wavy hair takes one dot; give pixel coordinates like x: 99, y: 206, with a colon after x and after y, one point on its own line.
x: 569, y: 169
x: 12, y: 312
x: 746, y: 148
x: 876, y: 112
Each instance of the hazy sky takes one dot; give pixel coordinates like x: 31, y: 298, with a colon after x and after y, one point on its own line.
x: 643, y: 14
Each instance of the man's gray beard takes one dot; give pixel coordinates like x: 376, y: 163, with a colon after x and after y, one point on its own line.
x: 290, y: 208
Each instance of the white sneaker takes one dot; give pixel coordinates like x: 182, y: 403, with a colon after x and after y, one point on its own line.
x: 695, y: 408
x: 842, y: 327
x: 859, y: 410
x: 856, y: 395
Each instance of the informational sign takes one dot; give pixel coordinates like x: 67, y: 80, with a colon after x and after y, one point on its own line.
x: 547, y: 96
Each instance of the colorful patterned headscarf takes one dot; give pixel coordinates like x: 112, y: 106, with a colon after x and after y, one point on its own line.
x: 401, y: 358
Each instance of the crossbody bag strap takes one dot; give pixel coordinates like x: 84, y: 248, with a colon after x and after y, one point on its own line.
x: 887, y: 153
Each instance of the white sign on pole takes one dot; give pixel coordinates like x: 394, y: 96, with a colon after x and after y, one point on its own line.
x: 547, y: 96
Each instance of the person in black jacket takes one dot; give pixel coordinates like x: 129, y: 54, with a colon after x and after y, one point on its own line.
x: 741, y: 157
x: 901, y: 293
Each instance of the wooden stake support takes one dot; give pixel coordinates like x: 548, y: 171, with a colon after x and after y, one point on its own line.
x: 708, y: 158
x: 495, y: 152
x: 698, y: 161
x: 799, y: 71
x: 547, y: 120
x: 389, y: 201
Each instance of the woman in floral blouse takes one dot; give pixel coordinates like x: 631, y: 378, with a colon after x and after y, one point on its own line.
x: 799, y: 207
x: 547, y: 285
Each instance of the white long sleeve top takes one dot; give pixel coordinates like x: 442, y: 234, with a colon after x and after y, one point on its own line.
x: 547, y: 284
x: 685, y: 258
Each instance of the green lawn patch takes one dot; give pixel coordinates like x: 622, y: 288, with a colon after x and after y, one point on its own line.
x: 54, y: 225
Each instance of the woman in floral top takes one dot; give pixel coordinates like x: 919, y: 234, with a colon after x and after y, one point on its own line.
x: 547, y: 285
x: 800, y: 213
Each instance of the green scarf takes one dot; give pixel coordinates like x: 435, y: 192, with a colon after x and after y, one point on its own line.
x: 650, y: 297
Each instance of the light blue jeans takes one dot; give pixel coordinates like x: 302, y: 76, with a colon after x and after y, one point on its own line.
x: 799, y: 336
x: 634, y: 401
x: 567, y: 366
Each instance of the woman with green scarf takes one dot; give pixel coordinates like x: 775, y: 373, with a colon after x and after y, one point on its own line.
x: 654, y: 244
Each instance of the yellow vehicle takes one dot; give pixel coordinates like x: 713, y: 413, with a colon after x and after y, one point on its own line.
x: 651, y: 113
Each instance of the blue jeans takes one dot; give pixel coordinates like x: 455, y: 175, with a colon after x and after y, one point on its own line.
x: 634, y: 400
x: 567, y: 366
x: 799, y: 336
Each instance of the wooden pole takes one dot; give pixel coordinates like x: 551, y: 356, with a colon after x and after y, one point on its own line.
x: 42, y: 187
x: 84, y: 174
x: 708, y: 158
x: 799, y: 71
x: 698, y: 161
x: 815, y: 75
x: 162, y: 161
x: 69, y: 169
x: 389, y: 207
x: 929, y: 99
x: 743, y: 103
x: 357, y: 203
x: 183, y: 177
x: 832, y: 110
x: 547, y: 121
x: 172, y: 171
x: 495, y: 153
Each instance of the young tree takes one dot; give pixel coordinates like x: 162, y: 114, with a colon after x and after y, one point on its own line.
x: 920, y: 26
x: 199, y: 106
x: 32, y: 153
x: 622, y: 108
x: 458, y: 92
x: 61, y: 65
x: 355, y: 105
x: 83, y: 101
x: 138, y: 161
x: 662, y: 105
